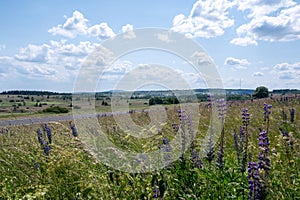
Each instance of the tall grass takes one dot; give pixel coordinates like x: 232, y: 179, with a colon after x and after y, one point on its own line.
x: 71, y: 172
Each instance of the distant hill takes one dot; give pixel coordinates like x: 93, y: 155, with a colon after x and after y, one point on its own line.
x: 286, y: 91
x: 152, y: 92
x: 30, y: 92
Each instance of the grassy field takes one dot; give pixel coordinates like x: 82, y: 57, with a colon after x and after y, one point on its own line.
x: 30, y: 170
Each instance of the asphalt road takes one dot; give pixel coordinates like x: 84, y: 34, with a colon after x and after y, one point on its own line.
x: 47, y: 119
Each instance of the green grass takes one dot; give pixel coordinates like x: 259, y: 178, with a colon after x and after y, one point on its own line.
x: 70, y: 172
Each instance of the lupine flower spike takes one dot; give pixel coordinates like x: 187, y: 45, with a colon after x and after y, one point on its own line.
x: 253, y: 180
x: 292, y: 114
x: 49, y: 133
x: 74, y: 130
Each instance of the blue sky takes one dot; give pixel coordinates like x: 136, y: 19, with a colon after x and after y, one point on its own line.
x: 44, y: 43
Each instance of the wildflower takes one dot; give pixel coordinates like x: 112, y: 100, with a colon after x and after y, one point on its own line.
x: 253, y: 180
x: 263, y: 160
x: 196, y: 159
x: 47, y: 149
x: 245, y: 117
x: 221, y: 104
x: 210, y: 99
x: 175, y: 127
x: 183, y: 118
x: 292, y: 114
x: 284, y: 116
x: 284, y: 133
x: 156, y: 192
x: 49, y: 132
x: 74, y: 130
x: 267, y: 111
x: 220, y: 158
x: 40, y: 136
x: 210, y: 151
x: 166, y: 148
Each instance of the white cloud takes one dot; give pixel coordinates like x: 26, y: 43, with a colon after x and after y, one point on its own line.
x: 127, y: 28
x: 236, y: 62
x: 258, y: 8
x: 101, y: 31
x: 207, y: 19
x: 258, y: 74
x: 34, y: 53
x: 271, y: 21
x: 287, y: 70
x: 77, y: 25
x: 128, y: 32
x: 243, y: 41
x: 57, y: 61
x: 73, y: 26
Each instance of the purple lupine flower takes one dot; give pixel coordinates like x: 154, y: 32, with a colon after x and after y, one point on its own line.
x: 210, y: 149
x: 49, y: 133
x: 47, y: 149
x: 40, y: 136
x: 166, y: 148
x: 245, y: 117
x: 220, y: 158
x: 182, y: 117
x: 156, y: 192
x: 74, y: 130
x: 165, y: 141
x: 221, y: 104
x: 196, y: 159
x: 284, y: 115
x: 253, y: 180
x: 175, y: 127
x: 284, y: 133
x: 263, y: 160
x: 210, y: 100
x: 190, y: 126
x: 288, y: 141
x: 267, y: 111
x: 292, y: 114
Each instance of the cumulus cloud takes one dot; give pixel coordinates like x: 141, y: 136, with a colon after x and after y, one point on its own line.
x: 73, y: 26
x: 243, y: 41
x: 48, y: 60
x: 236, y: 62
x: 127, y: 28
x: 271, y: 21
x: 207, y: 19
x: 258, y: 8
x: 258, y: 74
x: 287, y: 70
x: 34, y: 53
x: 77, y: 25
x: 101, y: 31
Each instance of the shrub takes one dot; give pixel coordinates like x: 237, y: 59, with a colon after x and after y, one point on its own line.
x: 261, y: 92
x: 56, y: 109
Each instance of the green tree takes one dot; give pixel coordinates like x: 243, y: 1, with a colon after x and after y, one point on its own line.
x: 261, y: 92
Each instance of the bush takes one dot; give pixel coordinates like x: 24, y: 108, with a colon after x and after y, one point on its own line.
x: 163, y: 100
x: 56, y: 109
x: 261, y: 92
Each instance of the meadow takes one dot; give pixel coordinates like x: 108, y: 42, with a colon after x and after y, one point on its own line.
x: 256, y: 157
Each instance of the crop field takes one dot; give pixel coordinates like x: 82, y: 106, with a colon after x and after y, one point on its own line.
x: 257, y: 156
